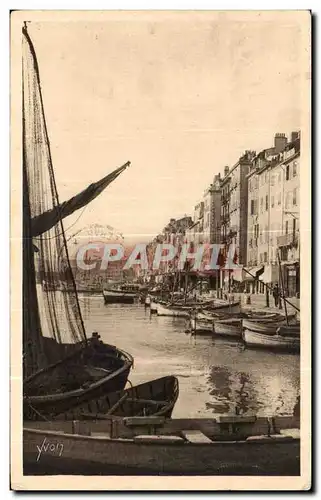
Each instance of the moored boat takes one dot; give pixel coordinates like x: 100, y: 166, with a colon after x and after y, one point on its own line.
x: 225, y: 445
x: 173, y: 310
x: 61, y: 366
x: 118, y: 296
x: 85, y: 373
x: 201, y: 325
x: 266, y: 326
x: 271, y: 342
x: 222, y: 306
x: 231, y: 327
x: 155, y: 397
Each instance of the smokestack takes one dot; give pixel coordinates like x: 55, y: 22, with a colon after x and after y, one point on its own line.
x: 226, y: 171
x: 280, y: 142
x: 294, y: 136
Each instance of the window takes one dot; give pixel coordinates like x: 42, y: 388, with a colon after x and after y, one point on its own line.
x: 287, y: 174
x: 265, y: 256
x: 266, y: 177
x: 252, y: 207
x: 272, y: 201
x: 272, y: 180
x: 295, y: 165
x: 295, y: 196
x: 261, y: 203
x: 294, y: 227
x: 279, y: 199
x: 288, y: 200
x: 286, y: 227
x: 266, y: 202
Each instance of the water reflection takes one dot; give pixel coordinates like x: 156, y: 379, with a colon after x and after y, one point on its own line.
x: 232, y: 392
x: 215, y: 376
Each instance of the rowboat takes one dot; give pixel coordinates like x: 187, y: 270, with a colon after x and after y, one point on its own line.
x: 85, y: 374
x: 119, y: 296
x: 267, y: 327
x: 156, y: 397
x: 225, y: 445
x: 231, y: 327
x: 201, y: 325
x: 222, y: 306
x: 289, y: 330
x: 272, y: 342
x: 173, y: 310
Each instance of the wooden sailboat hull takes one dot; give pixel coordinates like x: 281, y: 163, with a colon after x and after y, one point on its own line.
x: 228, y: 328
x: 264, y: 327
x: 201, y: 326
x: 271, y: 342
x: 231, y: 308
x: 179, y: 446
x: 156, y: 397
x: 175, y: 311
x: 111, y: 297
x: 84, y: 375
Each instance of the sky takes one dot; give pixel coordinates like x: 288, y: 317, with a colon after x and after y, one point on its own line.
x: 180, y: 95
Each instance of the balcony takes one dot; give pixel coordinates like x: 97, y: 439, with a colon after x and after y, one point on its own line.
x: 287, y: 240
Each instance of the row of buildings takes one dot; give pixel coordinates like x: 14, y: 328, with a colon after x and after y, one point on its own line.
x: 255, y: 206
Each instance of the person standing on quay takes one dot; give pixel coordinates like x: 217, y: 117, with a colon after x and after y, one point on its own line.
x: 276, y: 295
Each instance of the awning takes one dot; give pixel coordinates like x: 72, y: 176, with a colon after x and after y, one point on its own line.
x: 270, y: 274
x: 255, y: 272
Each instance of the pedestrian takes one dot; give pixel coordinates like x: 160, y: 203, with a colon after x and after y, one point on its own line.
x: 276, y: 295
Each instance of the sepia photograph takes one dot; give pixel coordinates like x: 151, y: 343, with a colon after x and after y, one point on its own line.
x: 161, y: 277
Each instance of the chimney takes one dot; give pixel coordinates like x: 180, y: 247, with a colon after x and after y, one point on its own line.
x: 294, y: 136
x: 280, y: 142
x: 226, y: 171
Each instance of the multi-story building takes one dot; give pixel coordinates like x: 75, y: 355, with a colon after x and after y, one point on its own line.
x: 212, y: 212
x: 234, y: 206
x: 288, y: 242
x: 272, y: 192
x: 194, y: 233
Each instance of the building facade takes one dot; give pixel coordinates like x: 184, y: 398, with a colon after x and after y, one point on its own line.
x: 273, y: 197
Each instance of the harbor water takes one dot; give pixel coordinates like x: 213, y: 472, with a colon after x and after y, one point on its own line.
x: 216, y: 376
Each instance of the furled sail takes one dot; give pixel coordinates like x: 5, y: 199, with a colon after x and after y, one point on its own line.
x: 48, y: 219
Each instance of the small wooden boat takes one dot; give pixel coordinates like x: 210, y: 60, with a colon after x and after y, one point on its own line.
x: 156, y: 397
x: 114, y: 296
x: 223, y: 306
x: 201, y: 325
x: 173, y: 310
x: 289, y: 330
x: 231, y: 327
x: 271, y: 342
x: 225, y: 445
x: 265, y: 326
x: 86, y: 373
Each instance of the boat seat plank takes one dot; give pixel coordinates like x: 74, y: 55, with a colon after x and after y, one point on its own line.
x: 147, y: 401
x: 294, y: 433
x: 158, y: 439
x: 135, y: 421
x: 196, y: 436
x: 235, y: 419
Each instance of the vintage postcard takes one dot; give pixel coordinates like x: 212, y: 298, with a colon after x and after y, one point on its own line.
x: 161, y: 244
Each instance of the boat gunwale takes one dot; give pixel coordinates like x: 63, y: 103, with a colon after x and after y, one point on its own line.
x: 61, y: 396
x: 265, y: 439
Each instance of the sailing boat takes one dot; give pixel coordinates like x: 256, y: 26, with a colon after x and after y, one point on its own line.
x: 61, y: 366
